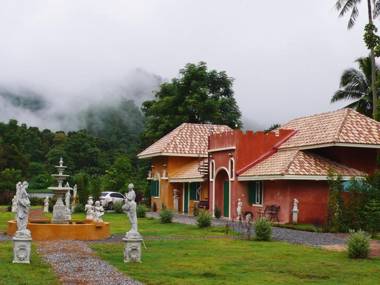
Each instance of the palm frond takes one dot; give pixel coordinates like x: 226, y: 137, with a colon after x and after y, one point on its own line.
x: 376, y: 9
x: 346, y: 95
x: 353, y: 17
x: 353, y: 76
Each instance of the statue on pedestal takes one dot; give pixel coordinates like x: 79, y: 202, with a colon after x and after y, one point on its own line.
x: 22, y: 239
x: 239, y: 209
x: 14, y: 204
x: 75, y: 197
x: 89, y: 209
x: 46, y: 204
x: 98, y: 212
x: 132, y: 239
x: 295, y: 211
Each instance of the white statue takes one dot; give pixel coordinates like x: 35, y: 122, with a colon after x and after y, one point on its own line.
x: 46, y: 204
x: 130, y: 209
x: 295, y: 211
x: 248, y: 218
x: 89, y: 208
x: 67, y: 197
x: 175, y: 199
x: 14, y: 204
x: 23, y: 206
x: 239, y: 209
x: 98, y: 212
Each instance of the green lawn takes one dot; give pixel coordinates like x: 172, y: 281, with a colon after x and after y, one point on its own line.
x: 226, y: 261
x: 35, y: 273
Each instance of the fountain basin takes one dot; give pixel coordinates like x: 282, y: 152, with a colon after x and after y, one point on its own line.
x: 43, y: 229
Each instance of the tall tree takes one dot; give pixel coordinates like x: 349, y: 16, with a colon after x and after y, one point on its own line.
x: 355, y: 84
x: 198, y: 95
x: 373, y: 9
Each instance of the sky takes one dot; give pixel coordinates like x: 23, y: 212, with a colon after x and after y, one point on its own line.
x: 286, y: 57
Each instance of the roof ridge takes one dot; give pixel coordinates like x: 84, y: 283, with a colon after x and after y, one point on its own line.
x: 286, y: 169
x: 339, y: 130
x: 315, y: 115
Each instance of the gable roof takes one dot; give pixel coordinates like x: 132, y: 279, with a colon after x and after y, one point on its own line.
x: 342, y: 127
x: 185, y: 140
x: 297, y: 164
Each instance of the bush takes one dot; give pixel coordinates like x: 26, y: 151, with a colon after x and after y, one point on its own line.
x: 166, y: 216
x: 79, y: 208
x: 118, y: 207
x: 204, y: 219
x: 141, y: 211
x: 217, y: 213
x: 263, y: 229
x: 358, y: 245
x: 34, y: 201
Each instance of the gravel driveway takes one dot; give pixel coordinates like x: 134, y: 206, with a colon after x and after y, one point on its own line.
x: 76, y: 264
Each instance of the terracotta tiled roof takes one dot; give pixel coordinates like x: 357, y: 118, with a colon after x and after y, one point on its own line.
x: 185, y: 140
x: 343, y: 126
x: 298, y: 163
x: 189, y: 171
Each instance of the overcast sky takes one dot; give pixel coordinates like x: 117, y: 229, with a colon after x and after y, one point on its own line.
x: 286, y: 56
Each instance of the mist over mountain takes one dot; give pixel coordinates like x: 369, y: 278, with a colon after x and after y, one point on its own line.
x: 90, y: 108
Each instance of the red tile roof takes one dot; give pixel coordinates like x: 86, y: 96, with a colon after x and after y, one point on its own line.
x: 186, y: 140
x: 295, y: 163
x: 344, y: 126
x: 187, y: 173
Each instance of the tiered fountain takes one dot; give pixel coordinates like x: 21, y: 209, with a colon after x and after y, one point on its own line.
x: 61, y: 226
x: 61, y: 213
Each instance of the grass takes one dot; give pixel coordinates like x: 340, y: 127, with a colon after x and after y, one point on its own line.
x: 229, y: 261
x: 35, y: 273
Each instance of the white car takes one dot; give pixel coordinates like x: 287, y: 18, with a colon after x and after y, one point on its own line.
x: 108, y: 199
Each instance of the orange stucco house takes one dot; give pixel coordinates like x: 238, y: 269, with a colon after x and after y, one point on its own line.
x: 179, y: 167
x: 217, y: 166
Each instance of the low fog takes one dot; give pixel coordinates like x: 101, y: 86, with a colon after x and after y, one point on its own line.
x: 286, y: 57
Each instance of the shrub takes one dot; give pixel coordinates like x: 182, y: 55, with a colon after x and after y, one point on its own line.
x: 217, y: 213
x: 204, y: 219
x: 166, y: 216
x: 358, y: 245
x: 79, y: 208
x: 263, y: 229
x: 118, y: 207
x: 141, y: 211
x: 34, y: 201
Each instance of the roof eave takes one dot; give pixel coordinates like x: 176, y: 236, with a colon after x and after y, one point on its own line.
x: 150, y: 155
x: 356, y: 145
x: 292, y: 177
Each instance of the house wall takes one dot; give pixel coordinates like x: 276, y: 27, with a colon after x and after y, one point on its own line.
x: 312, y: 197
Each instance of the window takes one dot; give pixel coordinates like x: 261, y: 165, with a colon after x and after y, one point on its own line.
x: 231, y: 168
x: 255, y: 193
x: 195, y: 190
x: 154, y: 188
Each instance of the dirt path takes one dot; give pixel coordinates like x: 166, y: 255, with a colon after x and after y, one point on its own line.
x: 76, y: 264
x: 374, y: 248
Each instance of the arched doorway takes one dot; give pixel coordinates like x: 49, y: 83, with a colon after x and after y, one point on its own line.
x: 222, y: 192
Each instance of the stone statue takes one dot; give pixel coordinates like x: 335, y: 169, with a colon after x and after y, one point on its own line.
x: 132, y: 239
x: 175, y: 199
x: 46, y: 204
x: 89, y: 208
x: 14, y: 204
x: 75, y: 198
x: 23, y: 206
x: 130, y: 209
x: 295, y: 211
x: 98, y: 212
x: 239, y: 209
x: 67, y: 197
x: 22, y: 240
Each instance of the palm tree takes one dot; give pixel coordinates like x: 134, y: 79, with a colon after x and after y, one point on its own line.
x: 355, y: 84
x: 373, y: 9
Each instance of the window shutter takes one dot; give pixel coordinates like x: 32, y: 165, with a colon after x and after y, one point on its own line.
x: 154, y: 188
x: 252, y: 193
x: 193, y: 191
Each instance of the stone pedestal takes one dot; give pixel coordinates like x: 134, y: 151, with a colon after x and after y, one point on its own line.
x: 132, y: 250
x: 59, y: 212
x: 22, y: 244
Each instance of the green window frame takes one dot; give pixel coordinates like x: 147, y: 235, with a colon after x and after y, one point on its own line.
x: 193, y: 187
x: 255, y: 193
x: 154, y: 188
